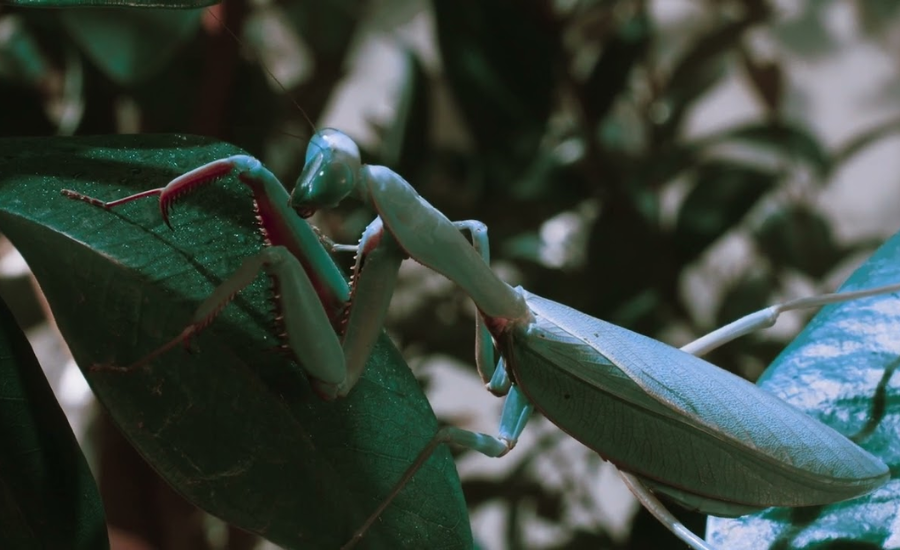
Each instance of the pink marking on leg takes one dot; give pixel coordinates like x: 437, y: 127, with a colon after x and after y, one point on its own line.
x: 497, y: 326
x: 148, y: 193
x: 186, y: 183
x: 372, y: 243
x: 182, y: 338
x: 107, y: 205
x: 277, y: 233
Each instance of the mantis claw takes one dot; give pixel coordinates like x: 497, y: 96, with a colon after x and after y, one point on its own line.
x: 164, y: 211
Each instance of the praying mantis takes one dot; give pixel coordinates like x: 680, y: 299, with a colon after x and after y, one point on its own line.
x: 629, y: 398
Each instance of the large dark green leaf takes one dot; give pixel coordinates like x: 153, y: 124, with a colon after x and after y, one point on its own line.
x: 789, y: 140
x: 621, y: 52
x: 500, y: 60
x: 840, y: 370
x: 702, y: 66
x: 48, y: 498
x: 863, y: 140
x: 723, y: 194
x: 130, y: 46
x: 232, y: 425
x: 405, y: 144
x: 798, y: 236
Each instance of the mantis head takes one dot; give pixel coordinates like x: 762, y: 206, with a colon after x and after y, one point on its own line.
x: 330, y: 174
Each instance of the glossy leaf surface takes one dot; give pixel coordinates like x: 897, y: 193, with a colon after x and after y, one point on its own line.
x: 840, y: 370
x: 232, y: 425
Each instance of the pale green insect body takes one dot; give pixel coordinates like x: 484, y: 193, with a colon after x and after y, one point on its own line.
x: 703, y: 436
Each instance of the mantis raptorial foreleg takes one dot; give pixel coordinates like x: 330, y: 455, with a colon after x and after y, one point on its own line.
x: 380, y: 255
x: 292, y: 286
x: 277, y: 222
x: 766, y: 318
x: 311, y: 295
x: 293, y: 262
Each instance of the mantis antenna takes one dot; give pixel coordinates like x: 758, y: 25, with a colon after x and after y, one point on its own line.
x: 265, y: 67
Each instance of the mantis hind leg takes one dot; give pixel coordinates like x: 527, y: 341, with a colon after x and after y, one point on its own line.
x: 304, y: 325
x: 765, y: 318
x: 277, y: 222
x: 516, y: 411
x: 649, y: 501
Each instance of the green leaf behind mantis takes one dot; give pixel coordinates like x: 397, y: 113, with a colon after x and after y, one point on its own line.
x: 840, y: 370
x: 500, y: 60
x: 231, y: 425
x: 131, y: 46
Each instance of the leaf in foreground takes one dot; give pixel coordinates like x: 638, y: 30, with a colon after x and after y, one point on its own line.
x: 48, y: 497
x: 231, y: 424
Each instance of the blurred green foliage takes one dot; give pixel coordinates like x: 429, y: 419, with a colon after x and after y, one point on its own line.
x: 576, y: 152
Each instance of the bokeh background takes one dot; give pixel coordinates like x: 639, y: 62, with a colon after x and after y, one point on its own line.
x: 666, y: 165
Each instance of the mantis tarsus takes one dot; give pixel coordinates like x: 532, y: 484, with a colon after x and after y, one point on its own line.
x: 630, y: 398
